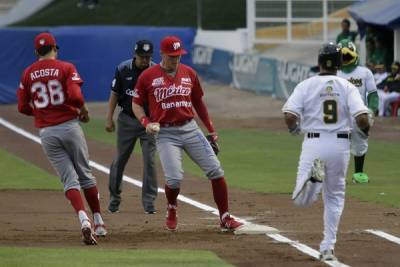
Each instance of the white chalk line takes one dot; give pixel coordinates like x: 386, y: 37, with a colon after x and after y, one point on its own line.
x: 278, y: 237
x: 384, y: 235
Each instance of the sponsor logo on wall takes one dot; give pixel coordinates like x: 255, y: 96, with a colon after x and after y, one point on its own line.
x: 245, y: 63
x: 202, y: 55
x: 290, y: 74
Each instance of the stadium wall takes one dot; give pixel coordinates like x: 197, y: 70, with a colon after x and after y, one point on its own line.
x: 95, y: 50
x: 249, y: 71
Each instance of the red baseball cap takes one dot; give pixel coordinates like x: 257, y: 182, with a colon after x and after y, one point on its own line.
x: 172, y: 46
x: 45, y: 39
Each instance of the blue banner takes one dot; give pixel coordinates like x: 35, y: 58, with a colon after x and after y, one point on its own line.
x: 95, y: 51
x: 212, y: 64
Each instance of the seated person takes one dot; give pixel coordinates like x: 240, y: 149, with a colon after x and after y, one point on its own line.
x: 391, y: 89
x: 380, y: 74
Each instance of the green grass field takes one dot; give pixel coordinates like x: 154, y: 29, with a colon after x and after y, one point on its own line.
x: 266, y: 162
x: 87, y: 257
x: 17, y: 173
x: 254, y: 160
x: 182, y: 13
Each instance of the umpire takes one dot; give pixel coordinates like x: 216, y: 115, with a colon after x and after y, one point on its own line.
x: 130, y: 129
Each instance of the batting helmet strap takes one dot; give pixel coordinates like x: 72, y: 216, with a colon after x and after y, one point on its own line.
x: 330, y: 57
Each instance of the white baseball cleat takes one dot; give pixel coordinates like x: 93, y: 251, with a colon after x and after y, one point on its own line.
x: 318, y: 171
x: 87, y: 233
x: 328, y: 255
x: 100, y: 230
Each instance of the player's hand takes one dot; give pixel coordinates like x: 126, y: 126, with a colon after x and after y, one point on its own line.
x: 212, y: 139
x: 153, y: 128
x: 363, y: 133
x: 84, y: 114
x: 110, y: 126
x: 295, y: 130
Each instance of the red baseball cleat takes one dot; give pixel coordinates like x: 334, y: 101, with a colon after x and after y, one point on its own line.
x: 171, y: 221
x: 229, y: 224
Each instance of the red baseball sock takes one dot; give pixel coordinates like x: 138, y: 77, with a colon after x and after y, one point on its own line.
x: 92, y: 198
x: 74, y: 196
x: 220, y: 192
x: 172, y: 195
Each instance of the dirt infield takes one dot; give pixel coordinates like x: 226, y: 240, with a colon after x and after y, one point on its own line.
x: 44, y: 218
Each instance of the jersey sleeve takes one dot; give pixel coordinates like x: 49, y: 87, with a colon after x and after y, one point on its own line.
x: 370, y: 82
x: 200, y: 106
x: 73, y: 75
x: 355, y: 102
x: 139, y: 96
x: 24, y: 98
x: 295, y: 104
x: 197, y: 90
x: 74, y: 82
x: 116, y: 83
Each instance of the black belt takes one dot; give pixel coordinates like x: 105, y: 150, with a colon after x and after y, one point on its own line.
x: 175, y: 124
x: 339, y: 135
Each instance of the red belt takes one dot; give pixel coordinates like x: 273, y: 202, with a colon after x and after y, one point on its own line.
x: 175, y: 124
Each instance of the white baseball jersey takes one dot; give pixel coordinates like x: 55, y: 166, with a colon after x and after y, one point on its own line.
x: 325, y: 103
x: 363, y: 79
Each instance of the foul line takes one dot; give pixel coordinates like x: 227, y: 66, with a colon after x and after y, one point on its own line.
x: 384, y: 235
x: 278, y: 237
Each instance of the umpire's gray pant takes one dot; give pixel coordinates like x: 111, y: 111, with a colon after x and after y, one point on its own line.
x: 128, y: 131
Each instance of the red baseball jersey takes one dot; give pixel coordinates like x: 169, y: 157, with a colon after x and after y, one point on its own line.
x: 169, y: 98
x: 44, y: 92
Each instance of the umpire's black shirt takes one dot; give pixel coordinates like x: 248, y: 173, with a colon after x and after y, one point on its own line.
x: 123, y: 84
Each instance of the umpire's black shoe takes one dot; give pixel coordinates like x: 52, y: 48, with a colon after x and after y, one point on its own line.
x: 113, y: 207
x: 149, y: 209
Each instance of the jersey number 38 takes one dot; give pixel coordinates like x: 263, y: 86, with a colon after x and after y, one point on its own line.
x: 330, y: 111
x: 47, y: 93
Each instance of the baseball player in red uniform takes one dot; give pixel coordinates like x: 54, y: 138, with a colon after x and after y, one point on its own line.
x: 172, y: 90
x: 50, y: 92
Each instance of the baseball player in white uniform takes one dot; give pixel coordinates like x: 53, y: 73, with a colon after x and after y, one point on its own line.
x: 322, y: 107
x: 363, y: 79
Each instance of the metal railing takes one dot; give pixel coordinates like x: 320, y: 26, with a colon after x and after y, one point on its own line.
x: 293, y: 21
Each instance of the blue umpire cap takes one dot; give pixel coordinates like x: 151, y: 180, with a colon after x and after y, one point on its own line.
x: 144, y: 48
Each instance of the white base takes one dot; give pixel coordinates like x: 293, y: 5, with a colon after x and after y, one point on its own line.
x: 255, y: 229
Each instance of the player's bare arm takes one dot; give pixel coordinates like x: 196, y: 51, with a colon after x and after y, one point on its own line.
x: 151, y: 127
x: 112, y: 103
x: 292, y: 123
x: 363, y: 123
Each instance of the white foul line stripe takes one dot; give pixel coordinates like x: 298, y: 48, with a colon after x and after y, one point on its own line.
x: 384, y: 235
x: 301, y: 247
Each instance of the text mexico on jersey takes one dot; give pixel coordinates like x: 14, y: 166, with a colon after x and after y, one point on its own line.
x: 169, y: 98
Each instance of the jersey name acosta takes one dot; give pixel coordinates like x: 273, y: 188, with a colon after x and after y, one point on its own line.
x: 44, y: 73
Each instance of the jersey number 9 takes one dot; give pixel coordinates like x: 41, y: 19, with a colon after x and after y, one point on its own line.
x: 45, y: 94
x: 330, y: 111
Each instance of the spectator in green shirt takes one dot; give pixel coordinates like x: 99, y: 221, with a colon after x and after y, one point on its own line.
x: 346, y: 33
x: 380, y: 54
